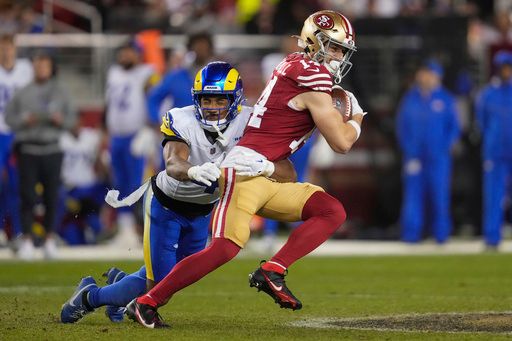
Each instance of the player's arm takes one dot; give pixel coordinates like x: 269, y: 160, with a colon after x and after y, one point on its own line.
x: 339, y: 135
x: 176, y: 154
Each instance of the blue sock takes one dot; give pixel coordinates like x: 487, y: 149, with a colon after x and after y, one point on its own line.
x: 120, y: 293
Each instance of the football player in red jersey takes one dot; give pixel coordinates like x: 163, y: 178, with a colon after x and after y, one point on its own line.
x: 296, y: 100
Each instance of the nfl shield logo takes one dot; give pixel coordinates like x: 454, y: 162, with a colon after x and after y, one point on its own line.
x: 213, y: 150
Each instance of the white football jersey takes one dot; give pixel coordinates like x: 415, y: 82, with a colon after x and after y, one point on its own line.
x: 80, y: 154
x: 126, y: 99
x: 10, y: 81
x: 182, y: 123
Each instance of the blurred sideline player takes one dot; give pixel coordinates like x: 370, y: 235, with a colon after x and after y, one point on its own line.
x: 179, y: 200
x: 126, y: 115
x: 83, y: 189
x: 14, y: 74
x: 427, y: 128
x: 494, y: 116
x: 178, y: 80
x: 296, y: 100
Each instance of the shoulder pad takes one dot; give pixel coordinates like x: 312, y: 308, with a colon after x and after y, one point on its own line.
x: 167, y: 127
x: 310, y: 74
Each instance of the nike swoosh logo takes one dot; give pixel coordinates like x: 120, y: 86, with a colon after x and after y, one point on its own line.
x: 275, y: 287
x: 78, y: 293
x: 141, y: 320
x: 314, y: 70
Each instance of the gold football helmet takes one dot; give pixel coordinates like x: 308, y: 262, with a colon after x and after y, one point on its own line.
x: 327, y: 31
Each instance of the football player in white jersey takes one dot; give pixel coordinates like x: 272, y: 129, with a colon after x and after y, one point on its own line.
x: 83, y: 189
x: 178, y: 200
x: 126, y: 115
x: 15, y: 73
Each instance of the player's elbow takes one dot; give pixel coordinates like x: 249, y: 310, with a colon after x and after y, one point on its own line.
x: 342, y: 146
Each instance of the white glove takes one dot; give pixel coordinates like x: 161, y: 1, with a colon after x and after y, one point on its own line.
x: 413, y: 167
x: 205, y: 173
x: 356, y: 108
x: 251, y: 166
x: 144, y: 143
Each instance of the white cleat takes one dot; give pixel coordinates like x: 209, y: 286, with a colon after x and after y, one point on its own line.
x: 26, y: 249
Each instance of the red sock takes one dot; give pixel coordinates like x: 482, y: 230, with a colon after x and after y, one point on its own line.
x: 322, y: 215
x: 271, y: 266
x: 191, y: 269
x: 146, y: 299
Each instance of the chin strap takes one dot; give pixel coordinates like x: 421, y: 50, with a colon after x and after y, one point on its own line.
x: 221, y: 138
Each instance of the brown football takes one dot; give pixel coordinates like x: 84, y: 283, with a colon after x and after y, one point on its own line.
x: 341, y: 101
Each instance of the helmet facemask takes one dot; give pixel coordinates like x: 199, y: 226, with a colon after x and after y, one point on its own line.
x: 338, y: 67
x: 221, y: 123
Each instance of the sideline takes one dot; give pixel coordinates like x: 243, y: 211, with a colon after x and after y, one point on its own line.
x: 258, y: 248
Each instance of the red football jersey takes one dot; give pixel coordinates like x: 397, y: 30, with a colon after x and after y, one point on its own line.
x: 276, y: 130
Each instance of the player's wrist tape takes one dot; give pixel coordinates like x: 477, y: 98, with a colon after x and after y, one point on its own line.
x: 356, y: 126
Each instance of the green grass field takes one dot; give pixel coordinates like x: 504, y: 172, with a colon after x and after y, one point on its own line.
x: 223, y: 307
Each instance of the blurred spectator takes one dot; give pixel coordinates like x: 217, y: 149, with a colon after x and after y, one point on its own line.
x: 270, y: 61
x: 427, y: 128
x: 39, y: 114
x: 126, y: 115
x: 485, y: 38
x: 83, y: 191
x: 290, y: 15
x: 278, y: 17
x: 8, y: 19
x: 177, y: 83
x: 14, y: 74
x: 29, y: 20
x: 494, y: 116
x: 209, y: 15
x: 262, y: 22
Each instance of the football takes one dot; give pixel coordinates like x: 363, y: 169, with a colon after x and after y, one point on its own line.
x: 341, y: 101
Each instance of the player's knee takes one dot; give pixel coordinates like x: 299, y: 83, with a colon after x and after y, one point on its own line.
x: 335, y: 211
x: 323, y: 205
x: 225, y: 249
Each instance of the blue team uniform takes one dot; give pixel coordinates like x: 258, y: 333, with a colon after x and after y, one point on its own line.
x: 427, y: 127
x: 494, y: 116
x: 175, y: 84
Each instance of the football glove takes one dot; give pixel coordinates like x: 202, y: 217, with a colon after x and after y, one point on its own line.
x: 250, y: 166
x: 145, y: 143
x: 356, y: 108
x: 205, y: 173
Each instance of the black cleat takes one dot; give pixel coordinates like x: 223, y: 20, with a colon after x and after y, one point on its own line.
x: 274, y: 285
x: 145, y: 314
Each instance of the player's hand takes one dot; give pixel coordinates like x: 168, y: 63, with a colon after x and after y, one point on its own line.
x: 413, y: 166
x: 356, y: 108
x: 251, y: 166
x: 205, y: 173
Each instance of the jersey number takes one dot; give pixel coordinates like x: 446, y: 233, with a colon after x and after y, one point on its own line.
x: 120, y: 94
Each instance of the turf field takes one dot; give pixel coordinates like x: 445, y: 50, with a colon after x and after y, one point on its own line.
x: 335, y: 291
